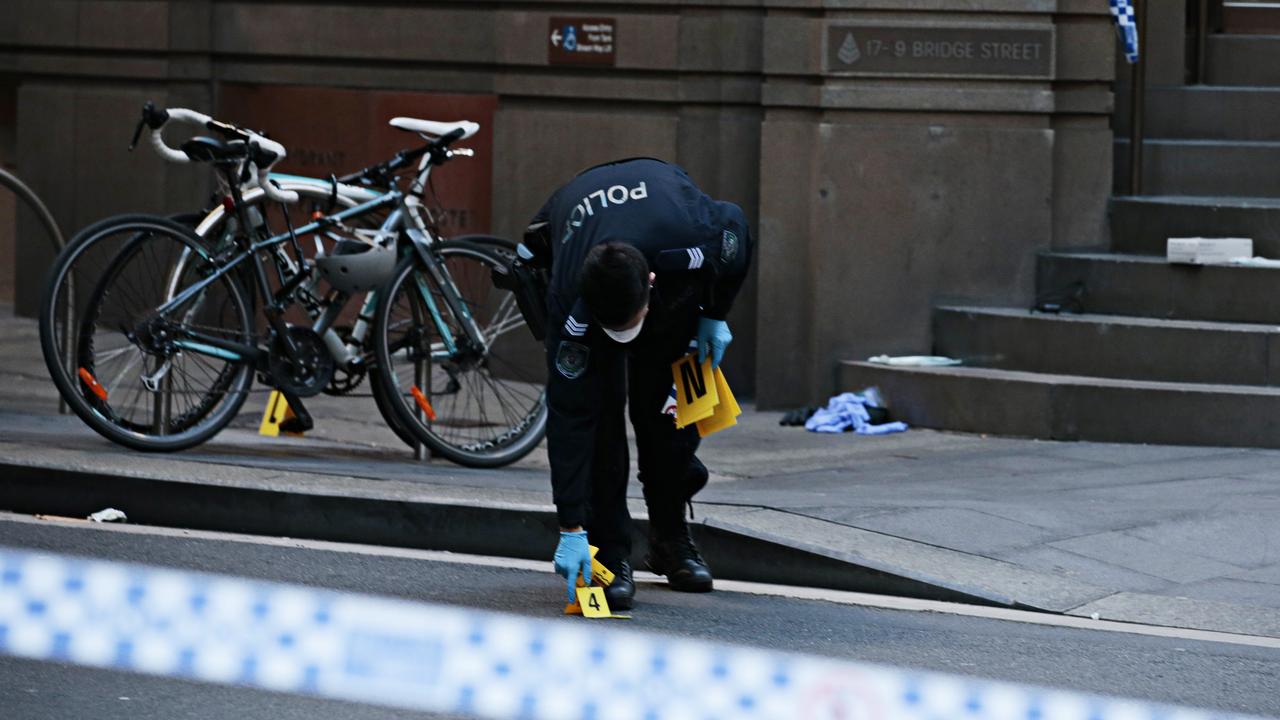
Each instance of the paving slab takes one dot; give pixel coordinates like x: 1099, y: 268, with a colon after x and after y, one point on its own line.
x: 1073, y: 565
x: 1119, y: 548
x: 1184, y: 612
x: 959, y: 528
x: 1244, y: 537
x: 1236, y: 592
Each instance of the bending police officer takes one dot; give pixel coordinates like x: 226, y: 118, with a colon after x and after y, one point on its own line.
x: 642, y: 263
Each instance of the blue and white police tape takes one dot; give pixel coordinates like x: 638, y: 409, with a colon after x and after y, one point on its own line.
x: 351, y: 647
x: 1127, y: 26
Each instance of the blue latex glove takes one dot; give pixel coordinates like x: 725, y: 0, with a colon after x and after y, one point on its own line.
x: 713, y: 338
x: 573, y: 556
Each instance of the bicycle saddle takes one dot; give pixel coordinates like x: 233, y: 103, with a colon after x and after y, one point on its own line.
x: 436, y: 129
x: 207, y: 149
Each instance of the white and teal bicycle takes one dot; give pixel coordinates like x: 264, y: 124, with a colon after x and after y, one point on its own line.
x: 173, y: 323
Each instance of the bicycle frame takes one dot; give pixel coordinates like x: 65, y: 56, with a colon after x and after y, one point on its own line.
x: 420, y: 238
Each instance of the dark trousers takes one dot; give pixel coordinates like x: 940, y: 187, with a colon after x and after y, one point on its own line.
x: 639, y: 376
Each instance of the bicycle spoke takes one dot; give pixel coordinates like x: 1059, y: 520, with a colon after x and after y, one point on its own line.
x: 154, y: 391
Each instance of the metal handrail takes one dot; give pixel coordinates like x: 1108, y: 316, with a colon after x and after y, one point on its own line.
x: 1202, y: 42
x: 1137, y: 100
x: 27, y: 195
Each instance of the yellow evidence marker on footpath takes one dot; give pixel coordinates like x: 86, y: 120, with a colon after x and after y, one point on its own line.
x: 703, y: 396
x: 591, y: 602
x: 277, y: 411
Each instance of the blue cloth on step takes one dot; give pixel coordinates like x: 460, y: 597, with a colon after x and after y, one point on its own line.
x: 848, y: 411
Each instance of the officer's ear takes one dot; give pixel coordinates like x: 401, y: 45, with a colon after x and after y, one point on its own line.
x: 652, y: 277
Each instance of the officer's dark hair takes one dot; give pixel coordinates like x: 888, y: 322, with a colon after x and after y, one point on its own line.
x: 614, y: 282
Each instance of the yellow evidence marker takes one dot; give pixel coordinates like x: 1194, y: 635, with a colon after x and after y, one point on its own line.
x: 696, y: 397
x: 591, y: 601
x: 726, y: 411
x: 277, y: 411
x: 601, y: 577
x: 591, y: 604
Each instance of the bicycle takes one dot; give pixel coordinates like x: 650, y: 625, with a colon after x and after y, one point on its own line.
x: 203, y: 315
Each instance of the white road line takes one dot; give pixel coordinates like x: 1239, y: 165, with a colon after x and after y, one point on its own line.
x: 841, y: 597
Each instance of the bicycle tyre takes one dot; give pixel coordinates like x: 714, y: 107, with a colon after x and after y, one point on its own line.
x: 507, y: 446
x: 187, y: 433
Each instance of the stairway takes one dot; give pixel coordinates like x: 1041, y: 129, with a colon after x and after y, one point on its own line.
x: 1161, y: 353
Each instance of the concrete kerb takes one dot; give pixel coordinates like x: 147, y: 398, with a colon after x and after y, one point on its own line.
x: 741, y: 542
x: 284, y: 506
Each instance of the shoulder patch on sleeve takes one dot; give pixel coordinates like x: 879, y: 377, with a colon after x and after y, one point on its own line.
x: 728, y: 246
x: 572, y: 358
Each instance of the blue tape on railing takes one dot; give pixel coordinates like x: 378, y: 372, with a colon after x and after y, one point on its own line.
x: 1127, y: 26
x: 425, y: 657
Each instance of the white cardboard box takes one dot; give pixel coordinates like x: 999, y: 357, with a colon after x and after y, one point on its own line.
x: 1208, y: 251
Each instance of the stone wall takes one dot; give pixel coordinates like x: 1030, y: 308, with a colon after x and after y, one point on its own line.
x: 873, y: 194
x: 890, y: 184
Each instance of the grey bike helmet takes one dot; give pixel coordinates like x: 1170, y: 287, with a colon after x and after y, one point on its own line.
x: 355, y: 266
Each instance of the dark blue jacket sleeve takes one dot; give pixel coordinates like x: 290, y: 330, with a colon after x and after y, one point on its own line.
x: 571, y: 423
x: 732, y: 263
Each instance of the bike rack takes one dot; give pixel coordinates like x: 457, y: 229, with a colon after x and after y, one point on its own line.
x: 27, y: 195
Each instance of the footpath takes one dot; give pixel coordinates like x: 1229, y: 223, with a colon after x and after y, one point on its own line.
x: 1174, y: 536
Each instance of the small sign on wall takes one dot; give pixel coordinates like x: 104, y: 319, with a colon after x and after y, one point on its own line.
x: 581, y: 41
x: 989, y: 51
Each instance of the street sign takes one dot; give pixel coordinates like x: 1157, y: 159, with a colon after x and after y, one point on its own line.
x: 931, y: 51
x: 581, y: 41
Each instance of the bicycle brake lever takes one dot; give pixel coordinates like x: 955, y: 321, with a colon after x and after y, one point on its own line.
x: 137, y: 133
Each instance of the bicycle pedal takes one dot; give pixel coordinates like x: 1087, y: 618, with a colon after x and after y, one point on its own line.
x: 296, y: 425
x: 301, y: 420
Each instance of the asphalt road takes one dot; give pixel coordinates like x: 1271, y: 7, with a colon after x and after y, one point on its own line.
x: 1214, y: 675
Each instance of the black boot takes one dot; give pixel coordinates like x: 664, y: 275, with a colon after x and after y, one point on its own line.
x: 673, y: 554
x: 621, y: 593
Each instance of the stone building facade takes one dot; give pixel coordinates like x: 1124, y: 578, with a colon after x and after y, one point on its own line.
x: 891, y: 154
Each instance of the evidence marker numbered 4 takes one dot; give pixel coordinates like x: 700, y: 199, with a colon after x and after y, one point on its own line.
x: 591, y: 602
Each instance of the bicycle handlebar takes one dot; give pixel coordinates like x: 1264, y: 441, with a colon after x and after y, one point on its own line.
x: 264, y: 152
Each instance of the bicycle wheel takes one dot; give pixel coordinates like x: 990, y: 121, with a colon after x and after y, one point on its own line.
x: 139, y: 378
x: 477, y: 406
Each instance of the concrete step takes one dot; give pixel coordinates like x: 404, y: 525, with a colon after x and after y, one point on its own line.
x: 1110, y: 346
x: 1236, y: 168
x: 1147, y: 285
x: 1142, y: 225
x: 1206, y: 112
x: 1065, y: 407
x: 1251, y: 18
x: 1243, y: 60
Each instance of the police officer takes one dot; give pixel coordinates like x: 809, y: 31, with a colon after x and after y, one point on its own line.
x: 644, y: 265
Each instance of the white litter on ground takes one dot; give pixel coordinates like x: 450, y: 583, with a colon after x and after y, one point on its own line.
x: 914, y: 360
x: 109, y: 515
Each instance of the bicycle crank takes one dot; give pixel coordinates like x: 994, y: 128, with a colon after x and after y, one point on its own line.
x: 307, y: 374
x: 348, y: 378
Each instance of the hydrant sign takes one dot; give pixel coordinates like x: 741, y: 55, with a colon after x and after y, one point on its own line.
x: 581, y: 41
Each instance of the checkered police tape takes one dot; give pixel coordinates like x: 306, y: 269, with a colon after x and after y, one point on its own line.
x: 321, y: 643
x: 1127, y: 26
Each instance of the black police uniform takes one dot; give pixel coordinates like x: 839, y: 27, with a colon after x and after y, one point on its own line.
x: 700, y: 250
